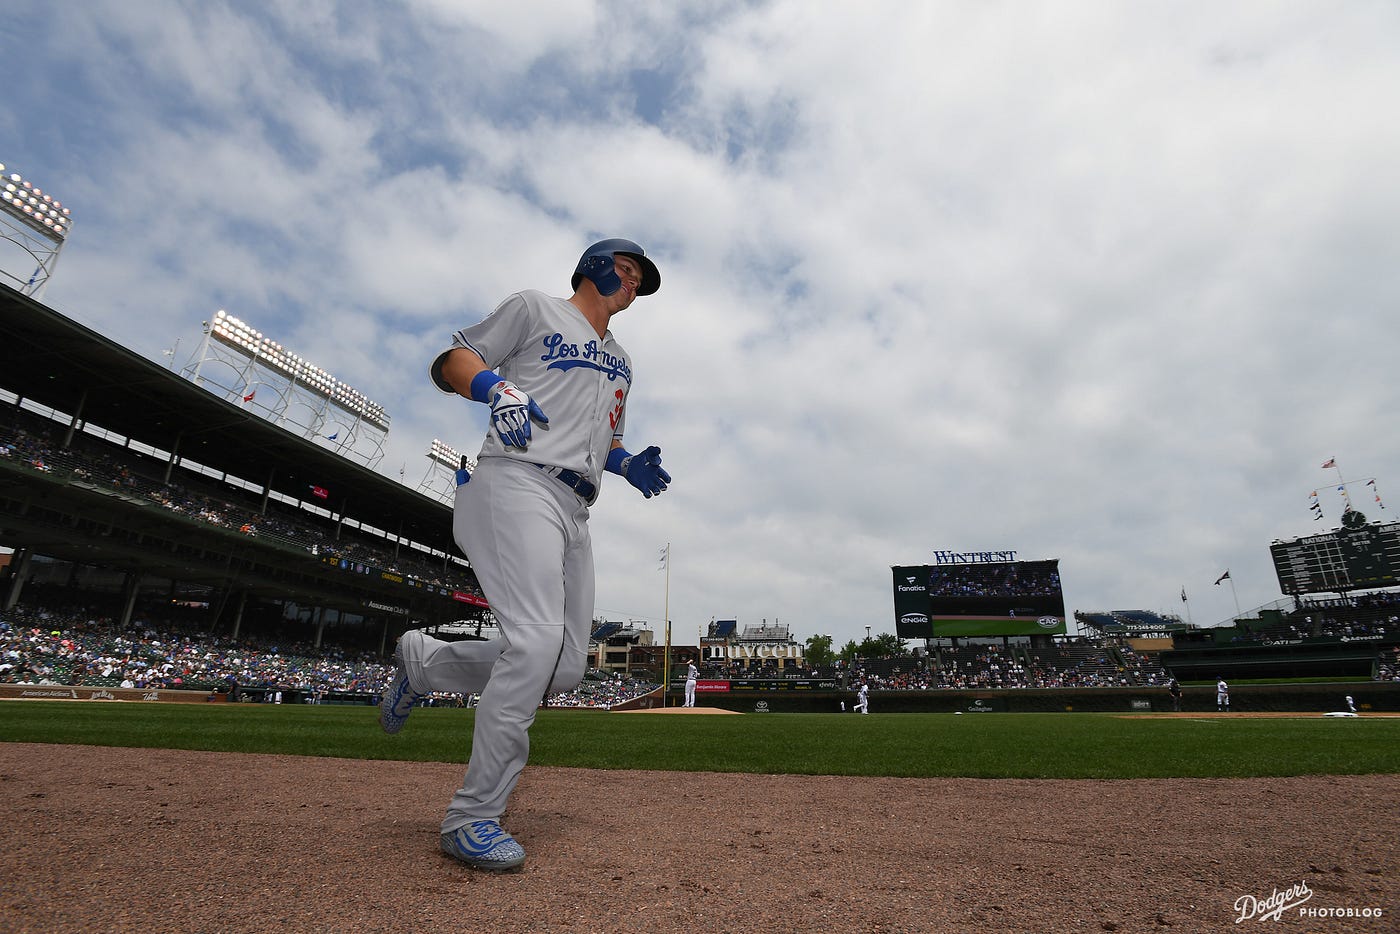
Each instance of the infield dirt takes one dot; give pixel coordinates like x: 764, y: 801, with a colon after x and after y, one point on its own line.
x: 116, y: 839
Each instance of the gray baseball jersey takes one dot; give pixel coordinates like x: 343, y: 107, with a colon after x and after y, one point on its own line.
x: 545, y: 346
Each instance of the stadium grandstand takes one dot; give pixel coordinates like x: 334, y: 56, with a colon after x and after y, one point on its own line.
x: 723, y: 628
x: 765, y: 632
x: 110, y: 460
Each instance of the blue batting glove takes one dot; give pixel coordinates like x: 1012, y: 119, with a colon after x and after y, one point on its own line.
x: 643, y: 471
x: 511, y: 412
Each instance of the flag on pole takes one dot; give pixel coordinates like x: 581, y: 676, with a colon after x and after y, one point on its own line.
x: 333, y: 436
x: 1183, y: 595
x: 1331, y: 462
x: 249, y: 396
x: 665, y: 557
x: 1222, y: 577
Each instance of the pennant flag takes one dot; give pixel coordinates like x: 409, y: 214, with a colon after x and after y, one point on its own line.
x: 249, y: 397
x: 1376, y: 490
x: 1183, y: 595
x: 664, y: 556
x: 320, y: 492
x: 1222, y: 577
x: 332, y: 437
x: 1331, y: 462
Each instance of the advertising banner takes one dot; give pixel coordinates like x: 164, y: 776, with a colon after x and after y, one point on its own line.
x: 911, y: 609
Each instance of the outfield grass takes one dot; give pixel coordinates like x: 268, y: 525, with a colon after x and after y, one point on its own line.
x: 1023, y: 745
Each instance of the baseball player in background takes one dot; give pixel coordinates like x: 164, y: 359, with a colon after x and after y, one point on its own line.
x: 556, y: 381
x: 1222, y: 695
x: 691, y: 673
x: 863, y: 698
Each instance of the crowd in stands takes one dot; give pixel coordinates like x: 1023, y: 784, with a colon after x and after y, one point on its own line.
x: 1017, y: 579
x: 1315, y: 624
x: 42, y: 646
x: 1388, y: 664
x: 976, y: 667
x: 999, y: 667
x: 224, y: 506
x: 58, y: 647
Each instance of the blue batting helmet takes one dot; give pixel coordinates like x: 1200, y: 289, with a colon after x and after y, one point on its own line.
x: 596, y: 264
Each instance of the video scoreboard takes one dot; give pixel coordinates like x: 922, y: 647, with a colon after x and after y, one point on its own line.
x: 979, y: 598
x: 1354, y: 557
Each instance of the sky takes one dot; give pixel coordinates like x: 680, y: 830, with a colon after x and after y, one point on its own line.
x: 1094, y: 281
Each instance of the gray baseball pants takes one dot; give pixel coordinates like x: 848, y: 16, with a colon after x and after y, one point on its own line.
x: 526, y: 535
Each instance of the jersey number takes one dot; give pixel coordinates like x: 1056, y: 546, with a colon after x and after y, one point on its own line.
x: 615, y: 415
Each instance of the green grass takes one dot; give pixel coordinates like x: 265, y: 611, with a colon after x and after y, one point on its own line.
x: 1024, y: 745
x: 1321, y: 679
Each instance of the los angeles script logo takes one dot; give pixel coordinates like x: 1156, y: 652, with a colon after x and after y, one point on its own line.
x: 566, y: 356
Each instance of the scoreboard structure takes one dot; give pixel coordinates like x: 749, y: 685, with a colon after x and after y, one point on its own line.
x: 978, y: 598
x: 1357, y: 556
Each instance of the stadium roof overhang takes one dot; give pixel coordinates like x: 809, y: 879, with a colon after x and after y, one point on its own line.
x: 52, y: 360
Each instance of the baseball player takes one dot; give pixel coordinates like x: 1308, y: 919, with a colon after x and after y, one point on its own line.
x: 863, y: 698
x: 1222, y: 695
x: 691, y: 673
x: 556, y: 381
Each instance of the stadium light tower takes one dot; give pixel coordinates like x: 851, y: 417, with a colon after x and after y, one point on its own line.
x: 36, y: 223
x: 443, y: 463
x: 254, y: 371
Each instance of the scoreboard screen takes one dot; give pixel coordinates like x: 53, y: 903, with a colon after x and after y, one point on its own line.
x: 1349, y: 558
x: 1003, y: 598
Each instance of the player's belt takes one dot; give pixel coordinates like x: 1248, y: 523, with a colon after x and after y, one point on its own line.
x: 581, y: 485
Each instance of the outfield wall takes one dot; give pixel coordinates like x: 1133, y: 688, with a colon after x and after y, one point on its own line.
x: 784, y: 697
x: 10, y: 691
x: 202, y: 695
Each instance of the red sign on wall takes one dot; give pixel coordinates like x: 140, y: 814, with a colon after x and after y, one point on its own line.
x: 461, y: 596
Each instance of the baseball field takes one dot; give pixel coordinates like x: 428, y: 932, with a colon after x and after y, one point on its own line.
x: 128, y: 816
x: 1051, y: 746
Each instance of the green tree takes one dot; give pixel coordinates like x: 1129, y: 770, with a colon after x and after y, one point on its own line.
x: 885, y: 645
x: 849, y: 652
x: 819, y: 651
x: 888, y: 645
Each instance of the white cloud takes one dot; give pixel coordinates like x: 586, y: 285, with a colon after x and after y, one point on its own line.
x: 1086, y: 281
